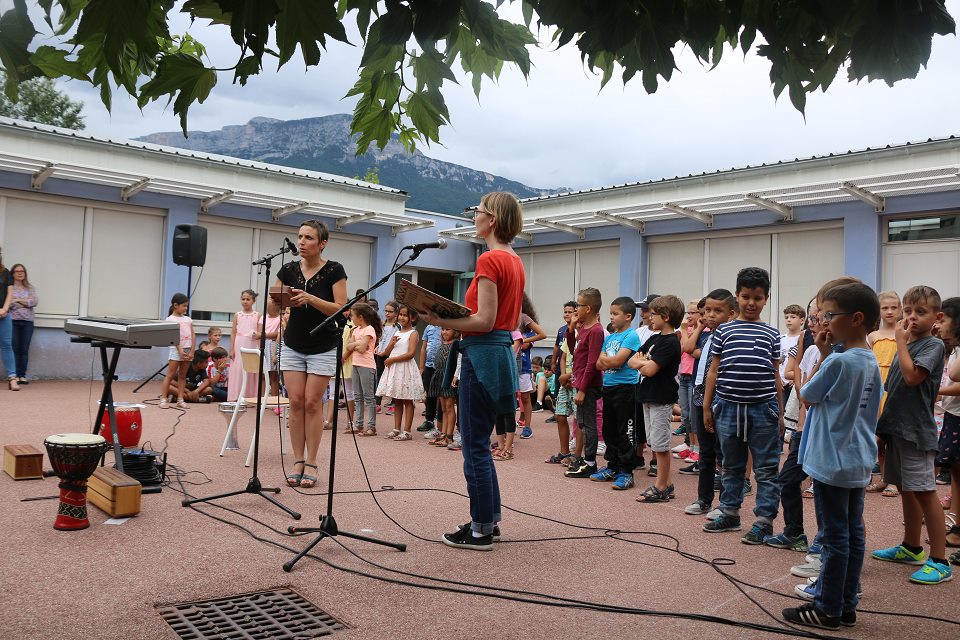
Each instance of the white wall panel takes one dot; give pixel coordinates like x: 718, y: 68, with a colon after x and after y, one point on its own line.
x: 126, y: 264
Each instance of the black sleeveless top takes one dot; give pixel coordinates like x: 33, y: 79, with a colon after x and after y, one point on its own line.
x: 303, y: 320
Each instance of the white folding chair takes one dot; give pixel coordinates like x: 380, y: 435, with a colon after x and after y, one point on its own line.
x: 250, y: 363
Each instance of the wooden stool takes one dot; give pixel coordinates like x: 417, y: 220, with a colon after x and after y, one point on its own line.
x: 23, y: 461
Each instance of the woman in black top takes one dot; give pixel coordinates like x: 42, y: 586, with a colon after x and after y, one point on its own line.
x: 6, y: 326
x: 319, y: 289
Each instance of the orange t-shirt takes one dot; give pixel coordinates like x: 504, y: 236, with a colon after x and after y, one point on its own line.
x: 506, y: 271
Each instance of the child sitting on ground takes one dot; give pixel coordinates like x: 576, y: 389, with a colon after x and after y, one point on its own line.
x: 910, y: 433
x: 843, y: 394
x: 218, y: 373
x: 197, y: 384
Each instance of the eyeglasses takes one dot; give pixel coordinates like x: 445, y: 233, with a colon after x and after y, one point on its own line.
x: 830, y: 315
x: 476, y: 214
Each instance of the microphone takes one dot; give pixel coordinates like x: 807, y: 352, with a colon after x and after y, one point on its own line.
x: 292, y: 248
x: 439, y: 243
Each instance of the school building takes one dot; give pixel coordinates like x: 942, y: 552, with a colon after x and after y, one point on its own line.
x: 93, y: 218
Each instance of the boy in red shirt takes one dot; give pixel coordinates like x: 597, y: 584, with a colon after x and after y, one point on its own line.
x: 585, y: 339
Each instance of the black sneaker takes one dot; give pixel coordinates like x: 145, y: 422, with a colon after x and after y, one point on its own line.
x: 757, y: 533
x: 944, y: 476
x: 849, y: 619
x: 652, y: 471
x: 641, y: 463
x: 464, y: 539
x: 426, y: 426
x: 723, y: 523
x: 809, y: 616
x: 691, y: 470
x: 580, y: 469
x: 496, y: 530
x: 537, y: 407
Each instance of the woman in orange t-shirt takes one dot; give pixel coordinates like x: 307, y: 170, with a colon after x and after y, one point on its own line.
x: 488, y: 372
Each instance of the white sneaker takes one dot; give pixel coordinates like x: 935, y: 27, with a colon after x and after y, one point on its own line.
x: 812, y: 557
x: 433, y: 434
x: 696, y: 509
x: 680, y: 447
x: 807, y: 570
x: 601, y: 448
x: 713, y: 515
x: 806, y: 591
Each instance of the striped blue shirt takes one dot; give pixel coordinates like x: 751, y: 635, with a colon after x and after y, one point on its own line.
x: 748, y: 352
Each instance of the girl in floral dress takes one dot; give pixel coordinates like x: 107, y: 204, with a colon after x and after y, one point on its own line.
x: 401, y: 375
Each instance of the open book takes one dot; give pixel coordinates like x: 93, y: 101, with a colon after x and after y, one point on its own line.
x: 424, y: 300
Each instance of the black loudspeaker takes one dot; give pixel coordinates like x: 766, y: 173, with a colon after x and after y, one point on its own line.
x: 190, y: 245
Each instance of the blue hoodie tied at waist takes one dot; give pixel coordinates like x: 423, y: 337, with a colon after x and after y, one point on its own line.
x: 491, y: 355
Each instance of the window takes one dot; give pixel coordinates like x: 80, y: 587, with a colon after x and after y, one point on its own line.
x: 676, y: 267
x: 800, y: 276
x: 47, y: 237
x: 226, y: 273
x: 928, y: 228
x: 125, y: 265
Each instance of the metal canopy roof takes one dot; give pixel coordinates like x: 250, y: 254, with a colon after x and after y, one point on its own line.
x: 774, y: 188
x: 39, y: 150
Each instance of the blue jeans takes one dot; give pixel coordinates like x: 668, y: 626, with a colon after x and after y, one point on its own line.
x: 6, y: 346
x: 740, y: 428
x: 844, y: 547
x: 686, y: 403
x: 22, y: 334
x: 477, y: 417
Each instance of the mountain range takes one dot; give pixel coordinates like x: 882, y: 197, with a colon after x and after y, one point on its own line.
x: 325, y: 144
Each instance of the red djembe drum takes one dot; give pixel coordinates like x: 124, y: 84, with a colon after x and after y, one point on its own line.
x: 129, y: 424
x: 74, y: 458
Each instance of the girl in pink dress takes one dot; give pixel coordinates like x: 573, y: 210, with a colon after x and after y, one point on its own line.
x: 245, y: 325
x: 272, y: 328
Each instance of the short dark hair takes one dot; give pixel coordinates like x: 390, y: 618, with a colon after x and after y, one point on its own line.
x: 702, y: 302
x: 670, y: 306
x: 796, y: 310
x: 218, y: 352
x: 724, y: 296
x: 922, y: 293
x: 571, y: 303
x: 856, y: 297
x: 593, y: 298
x: 200, y: 356
x: 753, y: 278
x: 626, y: 304
x: 537, y: 360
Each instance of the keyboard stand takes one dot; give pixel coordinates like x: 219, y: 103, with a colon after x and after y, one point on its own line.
x: 109, y: 366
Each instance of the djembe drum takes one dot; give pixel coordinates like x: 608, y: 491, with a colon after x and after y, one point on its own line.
x: 129, y: 424
x: 74, y: 458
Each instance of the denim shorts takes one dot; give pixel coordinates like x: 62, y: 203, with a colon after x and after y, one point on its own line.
x: 318, y: 364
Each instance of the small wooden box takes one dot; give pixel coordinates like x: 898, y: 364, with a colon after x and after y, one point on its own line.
x: 113, y: 492
x: 22, y: 461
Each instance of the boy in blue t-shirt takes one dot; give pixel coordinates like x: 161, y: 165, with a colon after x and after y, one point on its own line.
x: 742, y: 404
x: 619, y: 388
x: 838, y: 448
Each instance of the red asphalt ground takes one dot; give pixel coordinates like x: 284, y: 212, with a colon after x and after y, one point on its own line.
x: 105, y: 582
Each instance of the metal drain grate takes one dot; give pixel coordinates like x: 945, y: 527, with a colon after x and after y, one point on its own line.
x: 264, y: 615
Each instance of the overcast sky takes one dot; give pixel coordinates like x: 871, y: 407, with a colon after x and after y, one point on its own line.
x: 558, y: 129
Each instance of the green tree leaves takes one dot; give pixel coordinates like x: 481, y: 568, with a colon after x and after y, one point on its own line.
x: 411, y: 46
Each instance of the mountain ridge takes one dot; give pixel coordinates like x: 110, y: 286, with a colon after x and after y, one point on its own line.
x: 324, y: 144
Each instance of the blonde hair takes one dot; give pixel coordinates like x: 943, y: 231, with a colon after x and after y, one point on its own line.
x: 889, y: 295
x: 506, y: 210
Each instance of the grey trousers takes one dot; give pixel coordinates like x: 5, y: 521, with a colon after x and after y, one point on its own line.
x: 364, y: 390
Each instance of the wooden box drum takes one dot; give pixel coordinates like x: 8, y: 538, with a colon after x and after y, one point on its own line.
x: 74, y: 458
x: 129, y: 424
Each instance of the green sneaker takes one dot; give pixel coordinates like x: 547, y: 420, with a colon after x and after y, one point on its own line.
x: 900, y: 554
x: 932, y: 573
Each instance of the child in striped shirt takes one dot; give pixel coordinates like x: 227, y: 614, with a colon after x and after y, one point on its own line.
x: 743, y: 405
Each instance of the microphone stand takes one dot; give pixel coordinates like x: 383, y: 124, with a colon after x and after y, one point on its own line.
x: 328, y: 524
x: 253, y: 485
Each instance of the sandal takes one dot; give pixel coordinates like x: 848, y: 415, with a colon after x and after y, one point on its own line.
x: 652, y: 494
x: 308, y: 478
x: 558, y: 458
x: 13, y: 384
x: 876, y: 487
x: 327, y: 426
x: 955, y: 558
x: 368, y: 432
x: 294, y: 479
x: 403, y: 437
x: 393, y: 434
x: 503, y: 455
x: 890, y: 492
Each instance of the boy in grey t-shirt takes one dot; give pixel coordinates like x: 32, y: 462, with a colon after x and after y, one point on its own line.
x: 908, y: 428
